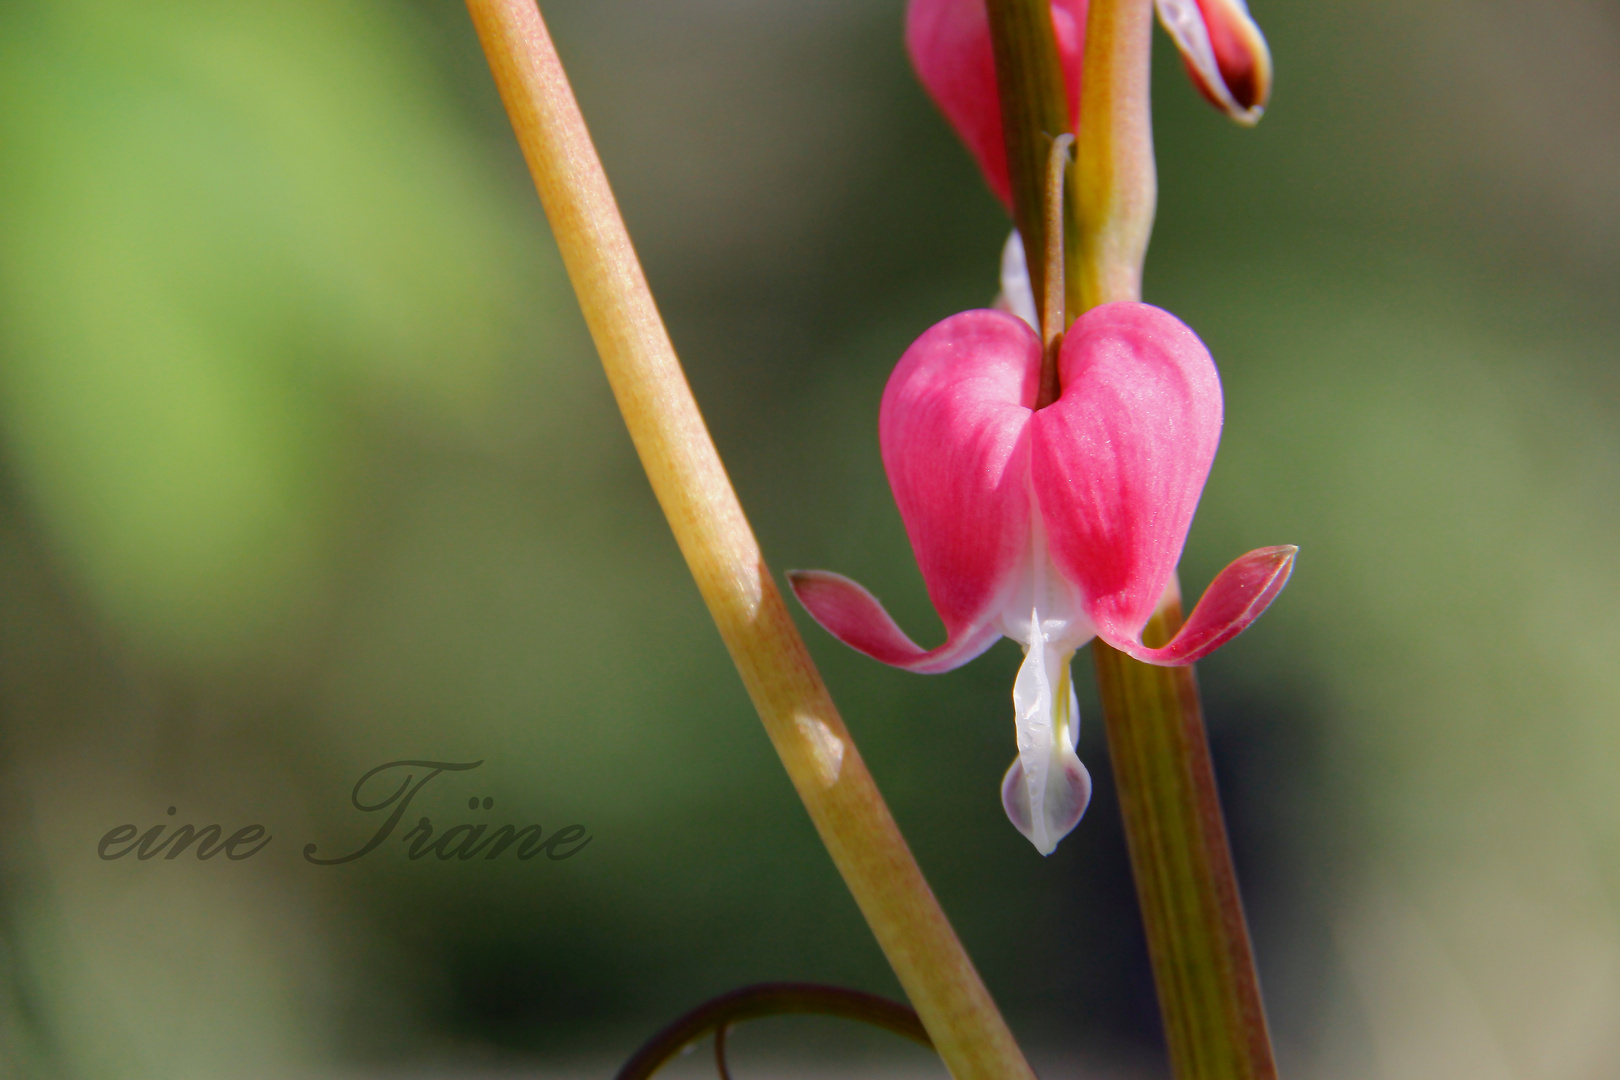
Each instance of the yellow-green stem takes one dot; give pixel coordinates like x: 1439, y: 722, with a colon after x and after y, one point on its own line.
x: 1198, y: 940
x: 708, y: 523
x: 1116, y: 185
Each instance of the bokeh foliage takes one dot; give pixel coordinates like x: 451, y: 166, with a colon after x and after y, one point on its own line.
x: 305, y: 465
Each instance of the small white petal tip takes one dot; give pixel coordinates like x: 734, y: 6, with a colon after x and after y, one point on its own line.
x: 1067, y: 794
x: 1016, y: 297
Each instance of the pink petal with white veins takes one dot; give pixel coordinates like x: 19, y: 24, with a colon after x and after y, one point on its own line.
x: 949, y: 43
x: 1119, y: 460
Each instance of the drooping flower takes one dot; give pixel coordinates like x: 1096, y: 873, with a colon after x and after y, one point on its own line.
x: 1050, y: 526
x: 949, y: 44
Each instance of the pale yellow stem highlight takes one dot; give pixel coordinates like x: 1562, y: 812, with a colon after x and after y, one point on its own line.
x: 724, y: 558
x: 1117, y: 185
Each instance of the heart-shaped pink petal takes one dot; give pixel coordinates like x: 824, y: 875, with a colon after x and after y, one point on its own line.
x: 1119, y: 460
x: 954, y: 430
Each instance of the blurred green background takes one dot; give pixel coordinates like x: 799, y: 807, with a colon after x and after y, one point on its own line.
x: 306, y: 464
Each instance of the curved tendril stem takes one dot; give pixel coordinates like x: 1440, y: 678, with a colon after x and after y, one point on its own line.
x: 1057, y: 160
x: 720, y: 1051
x: 769, y: 999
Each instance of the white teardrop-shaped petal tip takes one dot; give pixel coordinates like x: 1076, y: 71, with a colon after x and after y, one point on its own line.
x: 1065, y: 803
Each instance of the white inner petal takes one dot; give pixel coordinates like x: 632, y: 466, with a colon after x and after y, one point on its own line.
x: 1017, y: 298
x: 1047, y: 788
x: 1032, y: 708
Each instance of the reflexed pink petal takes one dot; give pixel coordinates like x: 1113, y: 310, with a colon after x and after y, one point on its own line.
x: 949, y: 43
x: 954, y: 429
x: 1233, y: 600
x: 1119, y: 460
x: 854, y: 616
x: 1224, y: 51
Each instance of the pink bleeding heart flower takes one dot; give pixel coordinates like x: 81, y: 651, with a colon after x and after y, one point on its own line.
x: 1050, y: 526
x: 949, y: 44
x: 1224, y: 51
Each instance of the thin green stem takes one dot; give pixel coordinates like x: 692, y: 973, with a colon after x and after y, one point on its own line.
x: 1052, y: 321
x: 1057, y: 163
x: 1198, y: 941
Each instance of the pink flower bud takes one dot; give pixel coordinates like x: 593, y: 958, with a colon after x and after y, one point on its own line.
x: 1224, y: 51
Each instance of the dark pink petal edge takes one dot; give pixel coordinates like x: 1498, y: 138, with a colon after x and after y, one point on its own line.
x: 854, y: 616
x: 1233, y: 600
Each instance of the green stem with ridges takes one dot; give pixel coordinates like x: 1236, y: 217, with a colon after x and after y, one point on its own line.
x: 1198, y: 941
